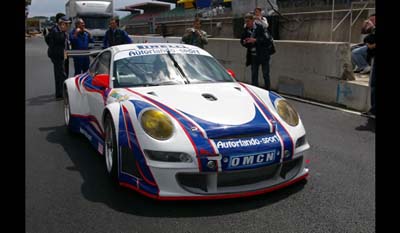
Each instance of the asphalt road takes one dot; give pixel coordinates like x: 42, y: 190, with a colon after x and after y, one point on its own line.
x: 68, y: 190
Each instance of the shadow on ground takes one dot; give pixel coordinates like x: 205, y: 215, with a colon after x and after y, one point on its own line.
x: 97, y: 186
x: 43, y: 99
x: 368, y: 126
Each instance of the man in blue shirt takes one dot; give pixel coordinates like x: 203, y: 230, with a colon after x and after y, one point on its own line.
x: 80, y: 38
x: 115, y: 36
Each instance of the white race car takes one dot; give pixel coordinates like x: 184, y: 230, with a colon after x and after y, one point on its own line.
x: 174, y: 124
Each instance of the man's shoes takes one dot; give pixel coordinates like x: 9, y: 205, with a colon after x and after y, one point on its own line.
x: 356, y: 70
x: 366, y: 70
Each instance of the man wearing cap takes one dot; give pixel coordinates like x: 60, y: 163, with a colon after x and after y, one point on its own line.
x: 58, y: 44
x: 58, y: 16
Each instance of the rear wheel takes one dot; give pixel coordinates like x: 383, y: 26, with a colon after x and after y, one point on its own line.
x: 111, y: 148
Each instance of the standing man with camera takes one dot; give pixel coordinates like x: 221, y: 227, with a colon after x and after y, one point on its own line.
x: 258, y: 50
x: 58, y: 45
x: 195, y: 36
x: 80, y: 38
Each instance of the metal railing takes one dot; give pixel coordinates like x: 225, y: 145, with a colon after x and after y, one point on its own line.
x: 349, y: 14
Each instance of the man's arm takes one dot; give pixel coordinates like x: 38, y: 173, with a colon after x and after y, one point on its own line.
x: 203, y: 37
x: 49, y: 38
x: 73, y: 36
x: 186, y: 38
x: 105, y: 40
x: 128, y: 40
x: 90, y: 37
x: 261, y: 39
x: 243, y: 40
x: 263, y: 22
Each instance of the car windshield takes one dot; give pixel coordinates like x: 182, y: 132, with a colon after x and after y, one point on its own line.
x: 159, y: 69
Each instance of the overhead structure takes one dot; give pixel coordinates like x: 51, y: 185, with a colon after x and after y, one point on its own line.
x: 148, y: 7
x: 187, y: 4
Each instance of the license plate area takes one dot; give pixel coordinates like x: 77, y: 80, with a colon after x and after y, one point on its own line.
x: 252, y: 160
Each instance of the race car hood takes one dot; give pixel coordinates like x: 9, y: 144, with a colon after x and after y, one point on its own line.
x: 222, y: 110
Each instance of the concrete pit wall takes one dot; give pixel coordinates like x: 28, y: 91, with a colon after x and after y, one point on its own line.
x: 318, y: 71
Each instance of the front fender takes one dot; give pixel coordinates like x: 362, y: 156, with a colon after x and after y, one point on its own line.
x: 268, y: 98
x: 113, y: 110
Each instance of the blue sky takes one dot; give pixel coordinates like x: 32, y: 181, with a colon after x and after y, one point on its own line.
x: 52, y: 7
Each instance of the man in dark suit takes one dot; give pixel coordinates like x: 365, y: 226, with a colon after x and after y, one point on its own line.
x: 115, y: 35
x: 58, y: 44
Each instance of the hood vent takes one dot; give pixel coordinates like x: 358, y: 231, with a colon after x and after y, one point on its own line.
x: 209, y: 97
x: 152, y: 93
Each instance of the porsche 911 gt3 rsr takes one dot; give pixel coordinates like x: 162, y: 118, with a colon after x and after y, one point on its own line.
x: 174, y: 124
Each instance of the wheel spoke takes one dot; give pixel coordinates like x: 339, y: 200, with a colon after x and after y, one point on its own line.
x: 66, y: 110
x: 109, y: 147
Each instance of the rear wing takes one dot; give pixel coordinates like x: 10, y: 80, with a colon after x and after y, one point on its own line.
x: 81, y: 53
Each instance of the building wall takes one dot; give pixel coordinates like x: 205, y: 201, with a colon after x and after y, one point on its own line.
x: 307, y: 25
x: 217, y: 27
x: 317, y: 27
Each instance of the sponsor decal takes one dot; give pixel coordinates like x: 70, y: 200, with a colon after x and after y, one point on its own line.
x: 156, y: 46
x: 251, y: 160
x: 100, y: 148
x: 143, y: 50
x: 247, y: 142
x: 151, y: 51
x: 114, y: 94
x: 84, y: 132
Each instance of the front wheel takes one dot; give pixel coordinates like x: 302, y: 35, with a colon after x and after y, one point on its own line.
x: 111, y: 148
x: 67, y: 110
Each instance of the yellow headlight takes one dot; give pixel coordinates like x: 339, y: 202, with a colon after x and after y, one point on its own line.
x: 287, y: 112
x: 156, y: 124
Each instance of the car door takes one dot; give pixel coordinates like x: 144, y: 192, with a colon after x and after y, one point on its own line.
x: 96, y: 94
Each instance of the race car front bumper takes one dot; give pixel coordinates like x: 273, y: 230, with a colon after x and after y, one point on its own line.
x: 190, y: 184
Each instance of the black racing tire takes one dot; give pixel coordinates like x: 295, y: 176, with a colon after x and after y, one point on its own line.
x: 67, y: 111
x: 110, y: 148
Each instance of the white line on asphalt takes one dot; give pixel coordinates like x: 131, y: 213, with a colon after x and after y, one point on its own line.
x: 325, y: 105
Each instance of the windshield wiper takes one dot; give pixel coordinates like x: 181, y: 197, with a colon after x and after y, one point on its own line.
x: 169, y: 82
x: 178, y: 67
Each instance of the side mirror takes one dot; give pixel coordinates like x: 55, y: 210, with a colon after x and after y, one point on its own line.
x: 101, y: 80
x: 231, y: 73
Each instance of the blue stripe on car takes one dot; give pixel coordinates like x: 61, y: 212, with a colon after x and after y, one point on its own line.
x: 139, y: 156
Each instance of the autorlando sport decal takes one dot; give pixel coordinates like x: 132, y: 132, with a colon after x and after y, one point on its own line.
x: 246, y: 142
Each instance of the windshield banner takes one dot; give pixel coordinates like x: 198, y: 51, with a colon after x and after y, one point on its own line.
x: 143, y: 50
